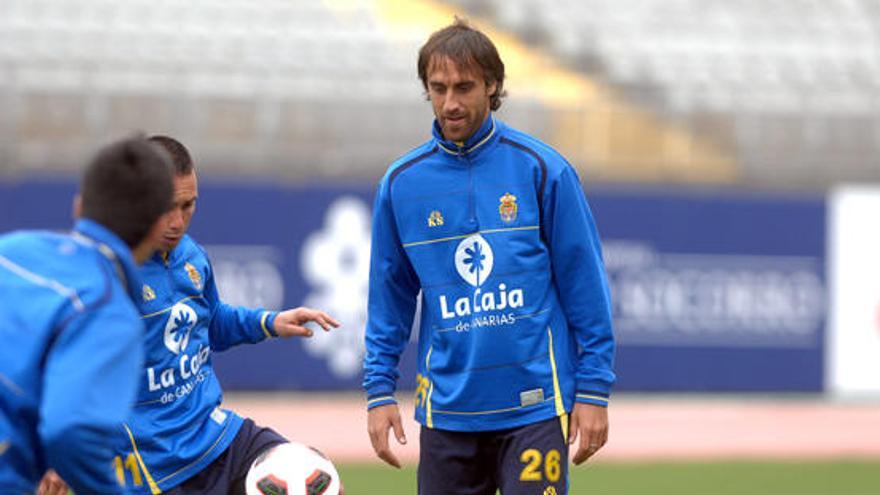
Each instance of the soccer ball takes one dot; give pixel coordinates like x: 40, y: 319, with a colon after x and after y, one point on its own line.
x: 292, y: 469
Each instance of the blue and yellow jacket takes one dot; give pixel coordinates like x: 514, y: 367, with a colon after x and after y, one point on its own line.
x: 70, y: 357
x: 177, y: 426
x: 515, y: 321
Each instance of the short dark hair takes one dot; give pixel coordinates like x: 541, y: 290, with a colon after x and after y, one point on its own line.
x: 127, y: 187
x: 180, y: 156
x: 467, y: 47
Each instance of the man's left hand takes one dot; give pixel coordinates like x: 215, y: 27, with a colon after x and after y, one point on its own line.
x: 291, y: 323
x: 590, y: 422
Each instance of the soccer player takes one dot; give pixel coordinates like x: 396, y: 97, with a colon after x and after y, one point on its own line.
x: 515, y: 343
x: 178, y: 439
x: 71, y: 352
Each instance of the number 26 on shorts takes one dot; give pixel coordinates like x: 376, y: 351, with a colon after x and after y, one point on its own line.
x: 539, y: 467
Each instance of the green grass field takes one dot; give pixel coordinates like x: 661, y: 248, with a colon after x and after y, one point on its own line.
x: 727, y: 478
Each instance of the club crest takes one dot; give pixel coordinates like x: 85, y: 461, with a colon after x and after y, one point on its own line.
x: 194, y: 275
x: 508, y: 208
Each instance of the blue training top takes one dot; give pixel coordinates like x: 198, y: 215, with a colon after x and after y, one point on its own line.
x: 516, y: 318
x: 70, y: 358
x: 177, y: 427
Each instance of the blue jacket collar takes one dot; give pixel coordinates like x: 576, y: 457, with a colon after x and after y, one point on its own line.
x: 114, y: 249
x: 168, y: 258
x: 484, y: 135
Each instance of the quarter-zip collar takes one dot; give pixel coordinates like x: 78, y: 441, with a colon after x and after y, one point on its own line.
x: 114, y: 249
x: 166, y: 258
x: 486, y: 134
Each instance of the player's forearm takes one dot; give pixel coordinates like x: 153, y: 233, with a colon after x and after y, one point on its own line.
x: 586, y: 303
x: 391, y: 308
x: 595, y: 366
x: 380, y: 368
x: 232, y: 326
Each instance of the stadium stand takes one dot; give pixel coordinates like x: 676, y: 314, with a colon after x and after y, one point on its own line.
x: 791, y: 84
x: 639, y: 90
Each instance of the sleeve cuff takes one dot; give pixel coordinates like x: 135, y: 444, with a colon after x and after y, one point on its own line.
x: 592, y: 397
x: 380, y: 400
x: 267, y: 324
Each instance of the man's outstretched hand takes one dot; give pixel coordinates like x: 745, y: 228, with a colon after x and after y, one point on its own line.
x: 291, y: 323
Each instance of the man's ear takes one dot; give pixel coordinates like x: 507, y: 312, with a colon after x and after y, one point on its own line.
x: 77, y: 207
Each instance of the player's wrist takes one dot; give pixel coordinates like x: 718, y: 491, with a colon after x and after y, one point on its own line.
x: 382, y: 399
x: 594, y: 397
x: 267, y: 323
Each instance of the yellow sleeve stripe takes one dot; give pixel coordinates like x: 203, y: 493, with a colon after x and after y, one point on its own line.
x: 593, y: 397
x: 379, y: 399
x: 263, y: 325
x: 154, y: 488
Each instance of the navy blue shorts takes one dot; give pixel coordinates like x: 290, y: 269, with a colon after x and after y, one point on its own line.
x: 530, y: 460
x: 226, y: 475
